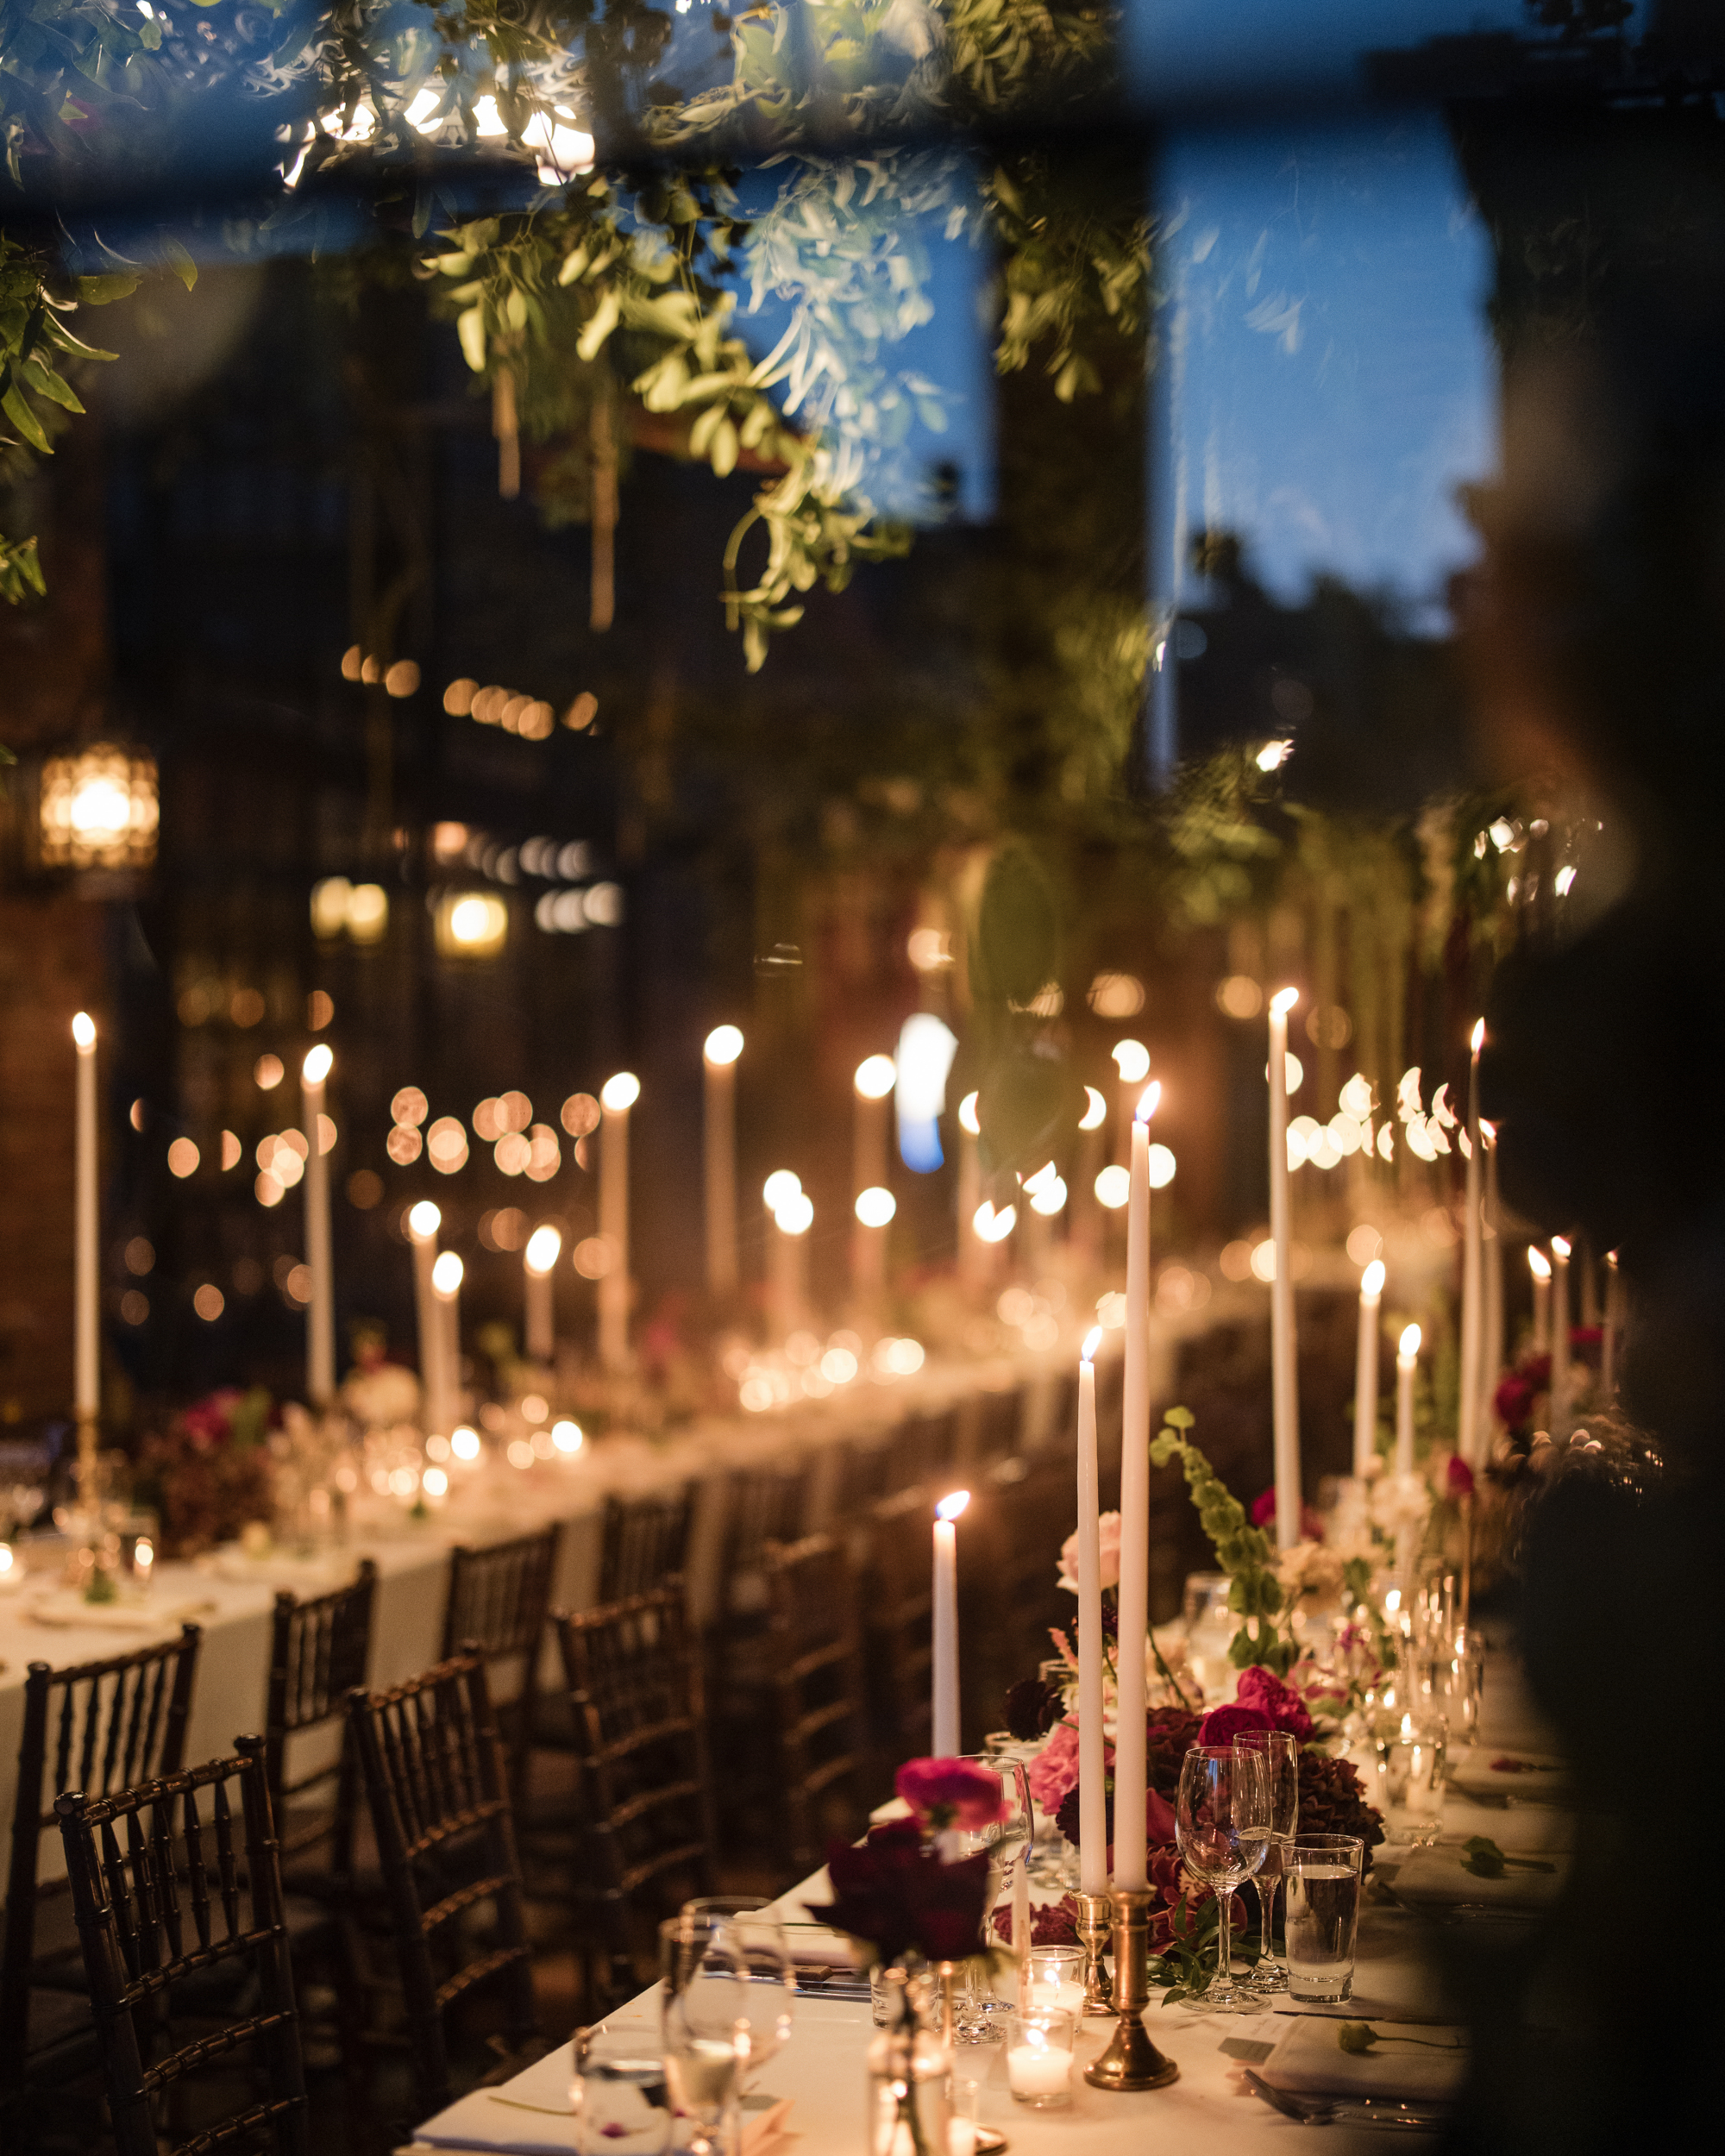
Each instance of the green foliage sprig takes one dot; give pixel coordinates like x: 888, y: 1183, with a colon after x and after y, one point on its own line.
x: 1243, y: 1552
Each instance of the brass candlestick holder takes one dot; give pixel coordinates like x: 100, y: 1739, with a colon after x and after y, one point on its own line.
x: 1095, y: 1922
x: 1132, y: 2061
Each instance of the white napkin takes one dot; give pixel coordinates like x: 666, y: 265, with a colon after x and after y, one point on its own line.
x: 1408, y: 2062
x: 1528, y: 1777
x: 1437, y: 1878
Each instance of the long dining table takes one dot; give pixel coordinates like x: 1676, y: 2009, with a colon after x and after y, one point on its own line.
x: 822, y: 2071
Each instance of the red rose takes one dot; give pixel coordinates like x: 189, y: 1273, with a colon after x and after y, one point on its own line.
x: 1280, y: 1705
x: 1222, y: 1723
x: 1459, y: 1477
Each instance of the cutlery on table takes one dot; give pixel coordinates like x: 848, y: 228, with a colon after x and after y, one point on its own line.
x: 1347, y: 2110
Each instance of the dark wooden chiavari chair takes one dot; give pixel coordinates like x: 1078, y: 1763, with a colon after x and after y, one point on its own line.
x: 1010, y: 1593
x: 319, y: 1651
x: 898, y: 1603
x: 763, y: 1505
x: 431, y: 1766
x: 996, y: 1430
x: 643, y: 1815
x: 101, y: 1728
x: 820, y: 1718
x: 168, y: 1886
x: 645, y: 1540
x: 923, y: 1447
x: 499, y: 1597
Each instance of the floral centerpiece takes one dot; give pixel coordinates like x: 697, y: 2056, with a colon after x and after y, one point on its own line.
x: 908, y: 1895
x: 210, y: 1474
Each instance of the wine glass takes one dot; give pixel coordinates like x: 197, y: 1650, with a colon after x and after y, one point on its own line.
x: 1281, y: 1755
x: 704, y: 2016
x: 1222, y: 1824
x: 748, y: 1923
x: 1008, y: 1842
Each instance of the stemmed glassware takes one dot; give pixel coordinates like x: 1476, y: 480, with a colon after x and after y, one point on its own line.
x: 748, y: 1926
x: 622, y: 2107
x: 1222, y: 1825
x: 705, y: 2023
x: 1280, y: 1752
x: 980, y: 2015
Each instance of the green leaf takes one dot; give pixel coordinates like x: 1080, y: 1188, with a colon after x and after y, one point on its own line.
x: 178, y: 261
x: 17, y: 410
x: 101, y: 292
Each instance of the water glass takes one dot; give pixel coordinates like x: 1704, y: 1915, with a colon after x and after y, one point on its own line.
x: 1323, y: 1916
x: 705, y: 2020
x: 748, y: 1925
x: 1040, y: 2040
x: 1410, y: 1779
x: 618, y: 2093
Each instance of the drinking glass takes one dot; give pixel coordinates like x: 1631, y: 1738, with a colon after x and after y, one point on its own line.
x: 751, y: 1927
x: 1222, y: 1824
x: 1281, y: 1755
x: 1410, y: 1778
x: 704, y: 2013
x: 1323, y: 1916
x: 1007, y: 1843
x: 618, y: 2093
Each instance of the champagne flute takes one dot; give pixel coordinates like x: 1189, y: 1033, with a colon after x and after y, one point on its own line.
x: 1008, y: 1842
x: 1222, y: 1825
x: 1280, y: 1752
x: 703, y: 2011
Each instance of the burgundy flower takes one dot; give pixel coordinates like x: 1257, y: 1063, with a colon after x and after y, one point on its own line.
x: 1051, y: 1923
x: 1223, y: 1724
x: 952, y: 1792
x: 894, y: 1891
x: 1459, y: 1477
x: 1280, y: 1703
x: 1264, y: 1515
x: 1159, y: 1818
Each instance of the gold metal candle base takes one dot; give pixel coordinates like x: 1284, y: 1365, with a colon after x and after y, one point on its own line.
x: 1132, y: 2061
x: 1094, y: 1923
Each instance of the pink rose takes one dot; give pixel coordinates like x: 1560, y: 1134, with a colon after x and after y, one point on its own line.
x: 1055, y: 1769
x: 1108, y: 1539
x: 1281, y: 1705
x: 952, y: 1792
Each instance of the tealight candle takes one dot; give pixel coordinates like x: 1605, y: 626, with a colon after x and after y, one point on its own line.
x: 1054, y: 1976
x: 1039, y: 2045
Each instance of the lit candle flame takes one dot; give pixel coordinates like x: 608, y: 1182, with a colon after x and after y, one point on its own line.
x: 1479, y: 1035
x: 1148, y: 1100
x: 1284, y: 999
x: 424, y: 1220
x: 1371, y: 1280
x: 950, y: 1506
x: 445, y: 1274
x: 620, y: 1093
x: 1560, y: 1244
x: 1410, y: 1342
x: 723, y: 1045
x: 316, y: 1067
x: 1093, y: 1340
x: 84, y: 1031
x: 1538, y: 1263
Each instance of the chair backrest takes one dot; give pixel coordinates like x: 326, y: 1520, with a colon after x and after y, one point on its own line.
x: 646, y: 1540
x: 431, y: 1764
x: 997, y: 1431
x: 644, y: 1809
x: 169, y: 1881
x: 763, y: 1504
x: 923, y: 1446
x: 820, y: 1720
x: 101, y: 1728
x: 499, y: 1595
x: 1024, y: 1513
x: 898, y: 1625
x: 319, y: 1651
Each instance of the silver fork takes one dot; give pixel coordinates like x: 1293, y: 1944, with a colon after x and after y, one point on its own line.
x: 1347, y: 2110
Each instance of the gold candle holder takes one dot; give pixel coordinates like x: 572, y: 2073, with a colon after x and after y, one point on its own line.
x: 1094, y: 1923
x: 1131, y: 2061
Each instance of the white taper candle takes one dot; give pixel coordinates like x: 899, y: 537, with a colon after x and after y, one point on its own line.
x: 1366, y: 1367
x: 1284, y: 1376
x: 1093, y: 1816
x: 320, y: 1316
x: 1130, y: 1762
x: 943, y: 1735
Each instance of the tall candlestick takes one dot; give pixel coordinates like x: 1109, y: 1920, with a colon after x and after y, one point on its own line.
x: 446, y: 1291
x: 1130, y: 1762
x: 945, y: 1735
x: 1472, y: 1271
x: 718, y: 1060
x: 792, y: 1220
x: 1365, y: 1369
x: 1559, y: 1393
x: 976, y: 1258
x: 1540, y: 1266
x: 320, y: 1316
x: 1283, y: 1367
x: 617, y: 1097
x: 1407, y: 1363
x: 874, y: 1209
x: 538, y: 1266
x: 422, y: 1223
x: 1491, y: 1349
x: 1613, y: 1320
x: 87, y: 1366
x: 1092, y: 1812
